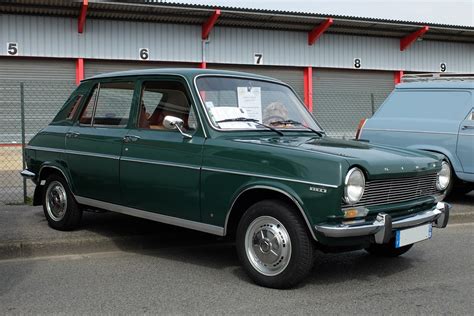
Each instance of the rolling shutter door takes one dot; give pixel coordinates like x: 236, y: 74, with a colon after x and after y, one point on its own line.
x: 97, y: 67
x: 292, y: 76
x: 47, y: 83
x: 341, y: 98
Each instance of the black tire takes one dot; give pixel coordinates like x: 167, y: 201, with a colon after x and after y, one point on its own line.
x: 387, y: 250
x: 69, y: 216
x: 300, y: 244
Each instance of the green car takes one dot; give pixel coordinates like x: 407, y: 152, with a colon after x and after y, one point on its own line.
x: 232, y: 154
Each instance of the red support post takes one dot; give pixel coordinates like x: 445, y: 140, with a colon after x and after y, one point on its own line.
x: 308, y: 88
x: 203, y: 65
x: 81, y: 22
x: 318, y: 31
x: 397, y: 76
x: 209, y: 24
x: 79, y: 70
x: 411, y: 38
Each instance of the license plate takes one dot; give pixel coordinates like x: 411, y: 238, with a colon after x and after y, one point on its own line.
x: 412, y: 235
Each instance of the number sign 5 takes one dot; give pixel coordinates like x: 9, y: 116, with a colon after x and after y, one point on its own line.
x: 12, y: 49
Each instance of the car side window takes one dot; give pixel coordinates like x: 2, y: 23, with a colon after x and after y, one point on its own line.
x: 109, y: 105
x: 88, y: 111
x: 165, y: 98
x: 75, y: 105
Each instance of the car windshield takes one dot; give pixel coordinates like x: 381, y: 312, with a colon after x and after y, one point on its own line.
x: 239, y: 103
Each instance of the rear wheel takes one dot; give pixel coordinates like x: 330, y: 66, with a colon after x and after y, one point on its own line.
x: 387, y: 250
x: 60, y: 208
x: 273, y: 245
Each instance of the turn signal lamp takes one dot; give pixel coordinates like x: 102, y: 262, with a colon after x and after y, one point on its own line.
x: 355, y: 212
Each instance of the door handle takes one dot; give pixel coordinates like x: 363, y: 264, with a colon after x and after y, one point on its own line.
x: 130, y: 138
x: 467, y: 127
x: 72, y: 134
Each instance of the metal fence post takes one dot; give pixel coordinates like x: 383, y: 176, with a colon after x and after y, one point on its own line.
x: 23, y: 137
x: 372, y: 103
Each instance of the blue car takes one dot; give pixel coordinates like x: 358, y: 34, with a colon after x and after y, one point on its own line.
x: 435, y: 114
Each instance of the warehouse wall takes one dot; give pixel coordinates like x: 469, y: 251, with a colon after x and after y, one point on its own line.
x: 42, y: 36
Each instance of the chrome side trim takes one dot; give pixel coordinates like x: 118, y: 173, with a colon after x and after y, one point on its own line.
x: 406, y: 130
x: 160, y: 163
x: 295, y: 201
x: 49, y: 149
x: 72, y: 152
x: 267, y: 177
x: 207, y: 228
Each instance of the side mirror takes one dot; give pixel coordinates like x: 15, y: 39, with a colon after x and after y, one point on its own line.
x: 173, y: 123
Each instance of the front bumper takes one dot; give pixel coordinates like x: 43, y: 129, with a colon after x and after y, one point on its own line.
x: 383, y: 225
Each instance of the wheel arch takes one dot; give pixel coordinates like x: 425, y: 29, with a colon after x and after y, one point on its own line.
x: 452, y: 159
x: 252, y: 194
x: 46, y: 170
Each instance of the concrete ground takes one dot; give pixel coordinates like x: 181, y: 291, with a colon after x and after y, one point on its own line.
x: 435, y: 277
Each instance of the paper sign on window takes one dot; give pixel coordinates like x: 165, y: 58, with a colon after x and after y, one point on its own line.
x: 250, y: 99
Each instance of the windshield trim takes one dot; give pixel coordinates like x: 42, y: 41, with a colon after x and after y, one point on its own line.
x: 219, y: 129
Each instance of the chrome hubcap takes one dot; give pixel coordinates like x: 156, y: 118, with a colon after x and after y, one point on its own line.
x: 268, y: 245
x: 56, y: 201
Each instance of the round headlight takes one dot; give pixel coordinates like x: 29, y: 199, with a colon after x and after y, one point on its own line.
x: 444, y: 176
x: 354, y: 186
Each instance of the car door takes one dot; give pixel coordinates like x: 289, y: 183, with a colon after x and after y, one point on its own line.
x: 94, y: 143
x: 465, y: 147
x: 160, y: 168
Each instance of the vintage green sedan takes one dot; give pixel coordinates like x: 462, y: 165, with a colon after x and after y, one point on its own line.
x: 232, y: 154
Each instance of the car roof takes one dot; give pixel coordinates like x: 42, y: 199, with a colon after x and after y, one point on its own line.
x: 187, y: 72
x: 437, y: 84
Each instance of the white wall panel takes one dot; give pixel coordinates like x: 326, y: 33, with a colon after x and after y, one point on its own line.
x: 43, y: 36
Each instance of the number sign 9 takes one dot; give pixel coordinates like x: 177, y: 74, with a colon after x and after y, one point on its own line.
x: 442, y: 67
x: 12, y: 49
x: 144, y: 53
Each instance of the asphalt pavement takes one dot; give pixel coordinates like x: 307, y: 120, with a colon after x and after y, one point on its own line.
x: 435, y: 277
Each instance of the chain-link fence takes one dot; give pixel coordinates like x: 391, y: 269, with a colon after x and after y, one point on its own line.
x: 339, y: 113
x: 25, y: 108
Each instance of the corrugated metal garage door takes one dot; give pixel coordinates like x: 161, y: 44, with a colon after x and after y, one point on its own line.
x: 291, y: 76
x: 47, y: 84
x: 37, y: 69
x: 341, y: 98
x: 96, y: 67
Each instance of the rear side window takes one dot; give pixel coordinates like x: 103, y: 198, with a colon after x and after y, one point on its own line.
x: 74, y: 107
x: 447, y: 105
x: 109, y: 105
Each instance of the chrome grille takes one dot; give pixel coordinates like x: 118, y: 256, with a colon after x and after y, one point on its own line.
x: 379, y: 192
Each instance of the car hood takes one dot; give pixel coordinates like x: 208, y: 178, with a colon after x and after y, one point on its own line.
x: 378, y: 161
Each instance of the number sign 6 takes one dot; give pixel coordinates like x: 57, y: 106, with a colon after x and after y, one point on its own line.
x: 144, y: 53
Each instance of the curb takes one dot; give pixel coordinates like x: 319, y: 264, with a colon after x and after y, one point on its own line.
x: 43, y: 248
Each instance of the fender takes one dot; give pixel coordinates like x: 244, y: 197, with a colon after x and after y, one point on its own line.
x: 277, y: 187
x: 57, y: 166
x: 455, y: 163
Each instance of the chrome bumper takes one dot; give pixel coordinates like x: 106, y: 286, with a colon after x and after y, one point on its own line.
x: 383, y: 225
x: 27, y: 174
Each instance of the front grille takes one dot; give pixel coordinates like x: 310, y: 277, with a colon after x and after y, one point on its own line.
x: 388, y: 191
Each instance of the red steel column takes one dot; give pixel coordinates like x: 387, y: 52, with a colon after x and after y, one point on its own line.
x: 203, y: 65
x: 79, y: 70
x: 308, y: 88
x: 397, y: 76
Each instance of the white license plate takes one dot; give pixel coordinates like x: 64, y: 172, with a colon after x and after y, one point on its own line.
x: 412, y: 235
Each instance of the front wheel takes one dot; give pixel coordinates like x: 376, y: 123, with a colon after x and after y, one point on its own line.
x: 273, y: 245
x: 60, y: 208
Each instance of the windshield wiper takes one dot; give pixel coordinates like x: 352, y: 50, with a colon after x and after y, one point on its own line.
x: 292, y: 122
x: 246, y: 119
